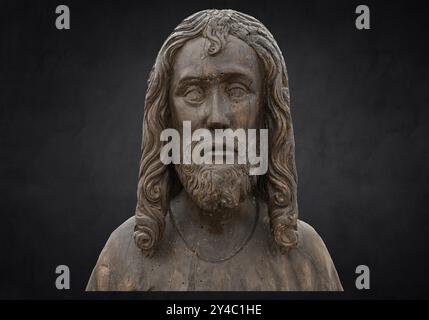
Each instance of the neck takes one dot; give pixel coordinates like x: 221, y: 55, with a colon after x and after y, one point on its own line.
x: 214, y: 236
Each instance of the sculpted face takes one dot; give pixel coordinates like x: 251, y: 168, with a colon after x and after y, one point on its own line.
x: 218, y: 91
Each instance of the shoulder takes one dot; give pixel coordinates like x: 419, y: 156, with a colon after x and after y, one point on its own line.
x: 311, y: 243
x: 122, y: 266
x: 313, y: 256
x: 119, y: 242
x: 122, y: 235
x: 112, y: 261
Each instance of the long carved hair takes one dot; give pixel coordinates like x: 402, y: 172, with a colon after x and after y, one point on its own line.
x: 278, y: 186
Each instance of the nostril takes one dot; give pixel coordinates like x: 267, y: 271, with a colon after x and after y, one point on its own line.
x: 218, y: 121
x: 218, y: 125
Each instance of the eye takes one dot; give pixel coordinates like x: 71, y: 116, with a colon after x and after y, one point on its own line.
x: 237, y: 91
x: 194, y: 94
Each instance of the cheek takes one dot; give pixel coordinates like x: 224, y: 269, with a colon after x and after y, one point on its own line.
x: 181, y: 111
x: 248, y: 113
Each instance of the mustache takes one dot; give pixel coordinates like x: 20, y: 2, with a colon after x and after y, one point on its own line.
x: 214, y: 145
x: 213, y: 148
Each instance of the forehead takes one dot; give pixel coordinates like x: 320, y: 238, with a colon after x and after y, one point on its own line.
x: 236, y: 56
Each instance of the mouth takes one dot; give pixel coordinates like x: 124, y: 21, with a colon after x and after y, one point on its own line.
x: 221, y: 151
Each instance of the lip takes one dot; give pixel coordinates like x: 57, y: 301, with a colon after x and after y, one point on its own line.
x: 217, y: 150
x: 221, y: 146
x: 221, y: 152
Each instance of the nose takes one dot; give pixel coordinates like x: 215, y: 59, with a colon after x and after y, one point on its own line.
x: 218, y: 113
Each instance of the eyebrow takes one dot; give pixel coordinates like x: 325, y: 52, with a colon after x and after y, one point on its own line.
x: 188, y: 76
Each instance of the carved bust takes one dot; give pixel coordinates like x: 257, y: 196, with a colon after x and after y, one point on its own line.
x: 214, y: 226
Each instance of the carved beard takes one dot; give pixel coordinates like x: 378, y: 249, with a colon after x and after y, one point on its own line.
x: 216, y: 187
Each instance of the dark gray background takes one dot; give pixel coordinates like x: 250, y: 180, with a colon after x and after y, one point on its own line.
x: 71, y: 112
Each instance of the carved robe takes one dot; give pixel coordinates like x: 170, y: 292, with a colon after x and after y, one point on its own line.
x: 256, y: 266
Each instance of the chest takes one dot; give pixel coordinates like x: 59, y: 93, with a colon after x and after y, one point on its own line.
x: 255, y: 268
